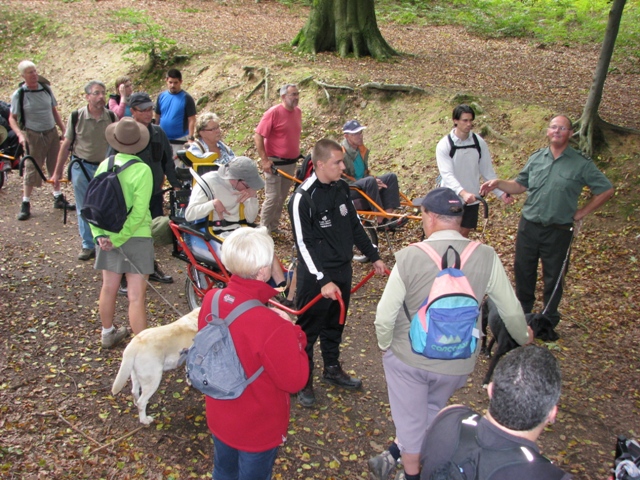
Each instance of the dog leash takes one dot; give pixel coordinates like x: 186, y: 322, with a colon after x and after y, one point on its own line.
x: 149, y: 283
x: 574, y: 233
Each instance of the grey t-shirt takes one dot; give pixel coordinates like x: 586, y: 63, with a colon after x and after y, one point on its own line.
x: 38, y: 108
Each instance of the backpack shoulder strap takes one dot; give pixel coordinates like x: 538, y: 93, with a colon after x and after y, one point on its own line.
x: 47, y: 89
x: 126, y: 165
x: 21, y: 120
x: 476, y: 144
x: 74, y: 123
x: 429, y: 250
x: 466, y: 253
x: 452, y: 146
x: 214, y: 303
x: 112, y: 115
x: 112, y: 161
x: 240, y: 309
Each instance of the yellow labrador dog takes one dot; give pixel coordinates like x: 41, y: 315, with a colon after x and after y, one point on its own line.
x: 151, y: 352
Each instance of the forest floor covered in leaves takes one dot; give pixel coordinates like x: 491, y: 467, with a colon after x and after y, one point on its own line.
x: 58, y: 418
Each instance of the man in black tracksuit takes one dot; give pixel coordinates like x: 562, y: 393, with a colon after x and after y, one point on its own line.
x: 325, y: 228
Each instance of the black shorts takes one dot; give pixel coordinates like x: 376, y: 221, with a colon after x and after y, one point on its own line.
x: 470, y: 216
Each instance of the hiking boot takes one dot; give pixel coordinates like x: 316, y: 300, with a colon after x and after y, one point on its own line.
x: 59, y: 202
x: 336, y: 376
x: 382, y: 465
x: 115, y: 336
x: 123, y: 286
x: 306, y: 397
x: 25, y: 211
x: 285, y: 302
x: 158, y: 275
x: 87, y: 254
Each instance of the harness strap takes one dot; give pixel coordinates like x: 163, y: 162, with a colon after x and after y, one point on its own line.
x: 439, y: 261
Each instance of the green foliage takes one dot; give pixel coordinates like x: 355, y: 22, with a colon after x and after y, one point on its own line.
x: 548, y: 21
x: 143, y: 36
x: 19, y: 29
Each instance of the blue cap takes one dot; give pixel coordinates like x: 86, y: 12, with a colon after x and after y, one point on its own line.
x: 442, y: 201
x: 352, y: 126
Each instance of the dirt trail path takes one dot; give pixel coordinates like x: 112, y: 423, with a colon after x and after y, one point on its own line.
x: 55, y: 402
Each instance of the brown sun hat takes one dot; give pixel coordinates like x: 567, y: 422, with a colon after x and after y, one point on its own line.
x: 127, y: 136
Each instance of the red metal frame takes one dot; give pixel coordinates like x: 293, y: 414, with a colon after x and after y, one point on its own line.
x: 222, y: 274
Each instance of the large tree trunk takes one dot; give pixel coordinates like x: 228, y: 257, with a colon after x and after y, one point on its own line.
x: 590, y: 123
x: 343, y: 26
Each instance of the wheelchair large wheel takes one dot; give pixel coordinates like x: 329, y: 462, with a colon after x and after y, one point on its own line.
x: 369, y: 227
x: 3, y: 177
x: 196, y: 289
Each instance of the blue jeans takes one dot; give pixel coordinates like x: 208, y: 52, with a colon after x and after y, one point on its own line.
x: 80, y: 184
x: 232, y: 464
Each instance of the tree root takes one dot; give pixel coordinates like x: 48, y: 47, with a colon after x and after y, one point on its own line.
x: 394, y: 87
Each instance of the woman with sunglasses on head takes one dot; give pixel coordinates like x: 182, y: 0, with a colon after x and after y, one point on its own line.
x: 208, y: 139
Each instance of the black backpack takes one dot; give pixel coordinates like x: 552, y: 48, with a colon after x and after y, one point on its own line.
x: 104, y: 203
x: 305, y: 170
x: 472, y: 461
x: 21, y: 92
x: 454, y: 147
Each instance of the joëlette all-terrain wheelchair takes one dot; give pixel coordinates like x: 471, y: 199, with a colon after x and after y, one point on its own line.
x: 200, y: 247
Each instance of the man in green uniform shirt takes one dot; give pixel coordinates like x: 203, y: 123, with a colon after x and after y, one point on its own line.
x: 554, y: 178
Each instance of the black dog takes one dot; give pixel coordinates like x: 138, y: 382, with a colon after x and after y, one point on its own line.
x: 539, y: 323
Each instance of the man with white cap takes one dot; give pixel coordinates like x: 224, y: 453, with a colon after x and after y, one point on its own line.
x: 419, y: 387
x: 382, y: 189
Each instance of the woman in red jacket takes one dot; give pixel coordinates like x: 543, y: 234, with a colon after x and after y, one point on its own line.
x: 248, y: 430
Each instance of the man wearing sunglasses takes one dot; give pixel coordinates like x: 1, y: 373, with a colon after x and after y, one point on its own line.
x: 554, y: 178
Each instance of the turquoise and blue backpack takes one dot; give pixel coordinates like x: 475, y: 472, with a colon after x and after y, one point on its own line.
x: 444, y: 327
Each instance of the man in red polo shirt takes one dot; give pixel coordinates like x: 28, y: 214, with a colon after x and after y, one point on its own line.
x: 277, y: 140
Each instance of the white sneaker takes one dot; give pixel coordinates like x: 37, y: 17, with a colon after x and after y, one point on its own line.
x: 115, y: 336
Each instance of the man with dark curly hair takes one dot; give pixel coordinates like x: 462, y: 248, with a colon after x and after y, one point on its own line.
x: 524, y: 398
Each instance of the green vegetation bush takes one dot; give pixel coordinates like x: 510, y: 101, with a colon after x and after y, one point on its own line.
x: 144, y: 36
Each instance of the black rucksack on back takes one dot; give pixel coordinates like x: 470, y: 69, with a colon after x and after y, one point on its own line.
x: 104, y: 203
x: 472, y: 461
x: 454, y: 147
x: 21, y: 92
x: 305, y: 169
